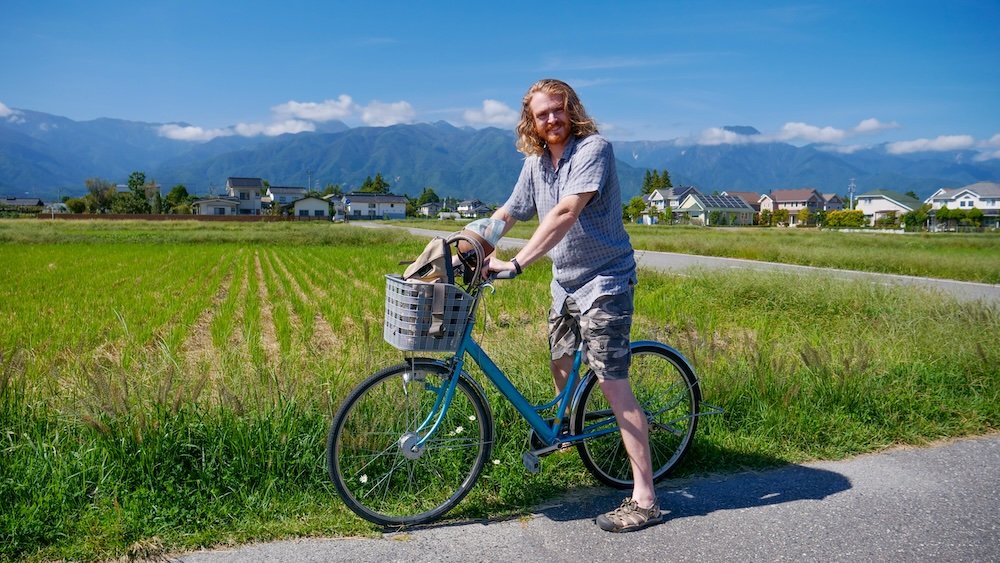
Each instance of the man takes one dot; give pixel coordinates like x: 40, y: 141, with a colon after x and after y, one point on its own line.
x: 570, y: 181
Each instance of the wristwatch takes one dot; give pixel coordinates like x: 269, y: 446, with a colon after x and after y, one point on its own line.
x: 517, y: 266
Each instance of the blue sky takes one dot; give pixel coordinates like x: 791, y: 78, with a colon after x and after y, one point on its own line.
x: 849, y: 74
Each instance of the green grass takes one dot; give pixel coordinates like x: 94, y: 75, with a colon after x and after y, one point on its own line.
x: 967, y: 257
x: 165, y: 387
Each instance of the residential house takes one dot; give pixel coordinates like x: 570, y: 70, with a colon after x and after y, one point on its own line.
x: 310, y: 207
x: 216, y: 205
x: 794, y: 201
x: 658, y: 200
x: 14, y: 202
x: 716, y: 210
x: 430, y: 209
x: 283, y: 195
x: 832, y: 202
x: 473, y: 208
x: 247, y: 193
x: 878, y: 204
x: 336, y: 203
x: 984, y: 196
x: 752, y: 198
x: 364, y: 205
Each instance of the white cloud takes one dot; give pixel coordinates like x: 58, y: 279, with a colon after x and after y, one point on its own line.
x: 720, y: 136
x: 810, y: 133
x: 872, y: 125
x: 941, y: 143
x: 5, y: 111
x: 326, y: 110
x: 380, y: 114
x: 991, y: 149
x: 842, y: 149
x: 274, y: 129
x: 493, y: 113
x: 191, y: 133
x: 11, y: 114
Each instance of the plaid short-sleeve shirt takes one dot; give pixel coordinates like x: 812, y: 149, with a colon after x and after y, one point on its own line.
x: 595, y: 257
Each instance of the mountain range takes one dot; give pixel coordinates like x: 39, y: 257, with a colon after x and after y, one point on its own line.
x: 48, y: 156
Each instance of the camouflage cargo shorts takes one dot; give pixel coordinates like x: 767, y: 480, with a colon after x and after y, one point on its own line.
x: 605, y: 329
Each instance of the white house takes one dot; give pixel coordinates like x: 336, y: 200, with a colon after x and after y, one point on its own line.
x: 473, y: 208
x: 362, y: 205
x: 660, y: 199
x: 984, y: 196
x: 430, y: 209
x: 716, y: 209
x: 282, y: 195
x: 219, y: 205
x: 247, y: 193
x: 877, y: 204
x: 310, y: 207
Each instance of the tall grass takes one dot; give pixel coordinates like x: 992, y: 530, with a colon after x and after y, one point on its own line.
x: 966, y: 257
x: 146, y: 403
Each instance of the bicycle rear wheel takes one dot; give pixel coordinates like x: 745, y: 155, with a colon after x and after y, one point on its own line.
x: 372, y: 453
x: 667, y: 389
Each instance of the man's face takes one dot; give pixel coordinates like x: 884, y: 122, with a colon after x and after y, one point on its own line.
x: 551, y: 120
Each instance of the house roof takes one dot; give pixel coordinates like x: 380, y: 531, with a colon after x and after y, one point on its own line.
x: 802, y: 194
x: 830, y: 197
x: 364, y: 197
x: 902, y: 199
x: 719, y: 202
x: 981, y: 189
x: 679, y: 192
x: 753, y: 198
x: 287, y: 190
x: 216, y: 199
x: 236, y: 182
x: 22, y: 201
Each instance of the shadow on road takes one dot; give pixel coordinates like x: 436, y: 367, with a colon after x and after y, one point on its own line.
x: 700, y: 496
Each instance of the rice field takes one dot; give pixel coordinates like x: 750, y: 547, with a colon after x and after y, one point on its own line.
x: 168, y: 386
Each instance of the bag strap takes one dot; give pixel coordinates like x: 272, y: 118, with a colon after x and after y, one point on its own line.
x: 437, y: 310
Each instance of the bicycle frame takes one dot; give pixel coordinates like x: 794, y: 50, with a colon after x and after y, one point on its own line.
x: 529, y: 411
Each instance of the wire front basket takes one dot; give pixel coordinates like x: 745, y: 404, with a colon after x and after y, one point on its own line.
x: 409, y: 315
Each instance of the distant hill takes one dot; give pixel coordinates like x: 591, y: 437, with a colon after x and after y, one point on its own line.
x: 46, y: 156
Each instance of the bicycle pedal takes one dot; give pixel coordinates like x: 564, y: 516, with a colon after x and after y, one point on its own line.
x: 531, y: 462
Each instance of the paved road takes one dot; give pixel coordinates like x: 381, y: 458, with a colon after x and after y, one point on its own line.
x: 930, y: 504
x: 679, y: 263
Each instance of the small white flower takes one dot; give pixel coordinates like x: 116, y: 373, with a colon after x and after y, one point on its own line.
x: 496, y: 462
x: 472, y: 417
x: 459, y: 430
x: 363, y: 479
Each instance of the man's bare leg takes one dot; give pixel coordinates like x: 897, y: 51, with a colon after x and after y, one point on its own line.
x: 635, y: 435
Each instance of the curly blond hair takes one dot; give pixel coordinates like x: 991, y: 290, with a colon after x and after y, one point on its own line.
x: 528, y: 140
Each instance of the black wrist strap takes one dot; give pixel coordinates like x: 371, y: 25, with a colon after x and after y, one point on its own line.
x: 517, y: 266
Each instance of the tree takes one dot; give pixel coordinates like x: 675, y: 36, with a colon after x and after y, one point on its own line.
x: 427, y: 196
x: 136, y: 199
x: 804, y: 216
x: 633, y: 209
x: 76, y: 204
x: 177, y: 199
x: 765, y: 217
x: 100, y: 194
x: 654, y: 180
x: 975, y: 216
x: 334, y: 190
x: 779, y: 217
x: 916, y: 219
x: 376, y: 186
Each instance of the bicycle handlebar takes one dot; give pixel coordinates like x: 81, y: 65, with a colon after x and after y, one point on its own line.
x: 503, y: 275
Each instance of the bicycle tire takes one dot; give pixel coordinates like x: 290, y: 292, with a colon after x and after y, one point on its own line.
x: 667, y: 388
x: 365, y: 446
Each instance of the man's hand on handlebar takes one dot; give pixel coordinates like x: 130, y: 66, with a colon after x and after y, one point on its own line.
x: 498, y: 269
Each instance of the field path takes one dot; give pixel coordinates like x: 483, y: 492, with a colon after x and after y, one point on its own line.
x: 678, y: 263
x: 905, y: 504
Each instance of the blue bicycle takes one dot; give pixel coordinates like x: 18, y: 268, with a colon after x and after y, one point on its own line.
x: 409, y: 442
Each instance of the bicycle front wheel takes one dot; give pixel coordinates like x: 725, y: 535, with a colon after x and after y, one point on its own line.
x: 668, y: 392
x: 390, y: 464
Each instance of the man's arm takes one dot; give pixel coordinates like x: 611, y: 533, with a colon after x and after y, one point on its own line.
x: 550, y: 231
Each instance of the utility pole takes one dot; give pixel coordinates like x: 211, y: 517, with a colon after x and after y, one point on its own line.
x: 850, y: 192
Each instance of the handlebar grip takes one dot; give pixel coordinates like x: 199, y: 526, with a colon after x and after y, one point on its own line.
x: 505, y: 275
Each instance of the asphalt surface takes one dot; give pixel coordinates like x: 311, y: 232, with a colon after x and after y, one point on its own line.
x: 985, y: 293
x: 938, y: 503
